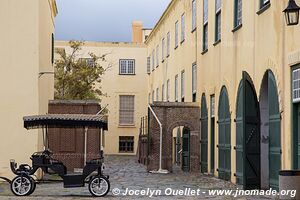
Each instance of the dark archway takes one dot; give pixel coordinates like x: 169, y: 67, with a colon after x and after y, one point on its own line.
x: 224, y: 145
x: 204, y: 135
x: 270, y: 132
x: 247, y: 135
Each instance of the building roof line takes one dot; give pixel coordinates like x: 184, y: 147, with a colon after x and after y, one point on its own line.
x: 171, y: 4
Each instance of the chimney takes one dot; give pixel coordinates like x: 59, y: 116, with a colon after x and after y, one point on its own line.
x: 137, y: 31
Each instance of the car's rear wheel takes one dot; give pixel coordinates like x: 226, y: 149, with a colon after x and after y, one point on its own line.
x: 99, y: 186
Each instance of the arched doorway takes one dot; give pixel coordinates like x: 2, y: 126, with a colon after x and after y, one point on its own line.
x: 270, y: 132
x: 204, y: 133
x: 224, y: 145
x: 247, y: 135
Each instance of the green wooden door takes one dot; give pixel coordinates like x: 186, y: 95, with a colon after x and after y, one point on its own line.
x: 204, y: 133
x: 274, y: 132
x: 186, y: 150
x: 224, y: 145
x: 239, y: 135
x: 248, y: 135
x: 178, y: 146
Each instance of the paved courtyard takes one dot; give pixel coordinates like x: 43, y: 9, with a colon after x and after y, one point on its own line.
x: 124, y: 173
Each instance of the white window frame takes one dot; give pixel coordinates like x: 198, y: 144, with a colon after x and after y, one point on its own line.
x: 127, y: 66
x: 194, y: 78
x: 182, y: 27
x: 168, y: 90
x: 168, y: 43
x: 176, y: 34
x: 176, y: 88
x: 296, y: 85
x: 194, y: 14
x: 127, y: 109
x: 182, y: 83
x: 157, y: 55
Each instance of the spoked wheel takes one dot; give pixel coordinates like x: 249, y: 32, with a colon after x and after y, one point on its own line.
x: 22, y: 185
x: 99, y: 186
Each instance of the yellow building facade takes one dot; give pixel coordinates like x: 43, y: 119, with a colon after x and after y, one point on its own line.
x: 236, y: 59
x: 125, y: 86
x: 26, y: 74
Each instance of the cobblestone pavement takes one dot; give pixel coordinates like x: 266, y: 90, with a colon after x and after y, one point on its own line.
x: 124, y: 173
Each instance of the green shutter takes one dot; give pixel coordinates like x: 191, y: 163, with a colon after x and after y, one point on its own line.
x: 186, y: 150
x: 204, y: 133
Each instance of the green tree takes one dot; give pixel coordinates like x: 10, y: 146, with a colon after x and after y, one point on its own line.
x: 78, y: 78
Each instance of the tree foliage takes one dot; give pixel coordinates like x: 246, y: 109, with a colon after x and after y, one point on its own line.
x: 78, y: 78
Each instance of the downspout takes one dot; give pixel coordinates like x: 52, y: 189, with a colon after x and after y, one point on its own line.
x: 85, y: 145
x: 160, y: 170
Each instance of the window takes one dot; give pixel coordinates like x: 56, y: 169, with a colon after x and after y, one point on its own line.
x: 182, y: 28
x: 168, y: 90
x: 126, y: 110
x: 149, y: 98
x: 168, y: 43
x: 52, y: 48
x: 153, y: 95
x: 157, y: 56
x: 163, y: 92
x: 296, y: 86
x: 212, y: 106
x: 163, y: 49
x: 176, y: 88
x: 205, y: 37
x: 126, y: 144
x: 176, y: 34
x: 157, y: 94
x: 182, y: 84
x: 194, y: 81
x: 127, y: 66
x: 218, y: 20
x: 194, y: 14
x: 205, y: 26
x: 263, y: 3
x: 148, y: 64
x: 238, y: 12
x: 153, y: 60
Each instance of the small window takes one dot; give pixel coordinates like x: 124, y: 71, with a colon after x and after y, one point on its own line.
x: 205, y: 37
x: 218, y: 20
x: 176, y: 88
x: 163, y: 92
x: 153, y: 96
x: 126, y: 113
x: 263, y: 3
x: 153, y: 60
x: 182, y: 84
x: 157, y: 56
x: 148, y: 64
x: 157, y: 94
x: 238, y: 11
x: 168, y: 90
x: 194, y: 14
x: 176, y: 34
x: 126, y: 144
x: 127, y: 66
x: 205, y: 11
x: 163, y: 49
x: 182, y: 28
x: 296, y: 86
x: 52, y: 48
x: 194, y: 78
x: 168, y: 43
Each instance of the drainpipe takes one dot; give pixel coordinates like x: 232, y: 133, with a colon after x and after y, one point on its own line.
x: 160, y: 170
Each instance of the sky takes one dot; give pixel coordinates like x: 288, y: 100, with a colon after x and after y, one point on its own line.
x: 105, y: 20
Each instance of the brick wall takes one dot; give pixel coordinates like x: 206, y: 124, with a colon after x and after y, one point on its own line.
x: 171, y: 116
x: 68, y: 144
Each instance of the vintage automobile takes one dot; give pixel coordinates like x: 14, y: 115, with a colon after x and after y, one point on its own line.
x: 24, y: 184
